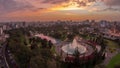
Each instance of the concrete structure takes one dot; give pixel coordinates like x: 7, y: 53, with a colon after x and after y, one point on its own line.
x: 88, y: 50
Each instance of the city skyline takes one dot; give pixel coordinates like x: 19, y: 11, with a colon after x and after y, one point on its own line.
x: 48, y: 10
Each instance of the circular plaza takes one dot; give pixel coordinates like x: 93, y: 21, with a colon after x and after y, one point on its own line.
x: 85, y: 49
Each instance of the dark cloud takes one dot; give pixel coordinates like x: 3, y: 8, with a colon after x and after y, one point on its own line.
x: 83, y: 3
x: 55, y: 1
x: 112, y: 9
x: 12, y: 5
x: 106, y: 2
x: 109, y: 9
x: 36, y: 9
x: 80, y: 3
x: 112, y: 5
x: 112, y: 2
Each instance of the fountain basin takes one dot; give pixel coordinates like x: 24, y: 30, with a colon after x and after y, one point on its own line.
x: 70, y: 48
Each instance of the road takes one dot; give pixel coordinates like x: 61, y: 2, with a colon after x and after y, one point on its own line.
x: 3, y: 61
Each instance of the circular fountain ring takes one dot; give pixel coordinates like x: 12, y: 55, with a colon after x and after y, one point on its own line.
x: 70, y: 48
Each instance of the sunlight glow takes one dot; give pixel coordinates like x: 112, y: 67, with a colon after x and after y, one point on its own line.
x: 70, y: 6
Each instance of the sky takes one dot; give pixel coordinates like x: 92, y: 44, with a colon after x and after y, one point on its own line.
x: 50, y: 10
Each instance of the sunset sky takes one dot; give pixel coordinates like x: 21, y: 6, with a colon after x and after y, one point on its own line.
x: 48, y: 10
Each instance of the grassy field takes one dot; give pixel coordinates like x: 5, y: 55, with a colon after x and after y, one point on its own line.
x: 114, y: 61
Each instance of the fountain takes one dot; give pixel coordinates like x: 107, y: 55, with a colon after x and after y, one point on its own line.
x: 81, y: 48
x: 70, y: 48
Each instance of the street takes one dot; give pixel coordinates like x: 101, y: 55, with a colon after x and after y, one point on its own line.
x: 3, y: 61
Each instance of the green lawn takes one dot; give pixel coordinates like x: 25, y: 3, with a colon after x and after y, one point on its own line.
x: 114, y: 61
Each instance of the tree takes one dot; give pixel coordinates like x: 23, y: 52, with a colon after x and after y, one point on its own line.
x: 77, y: 59
x: 37, y: 62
